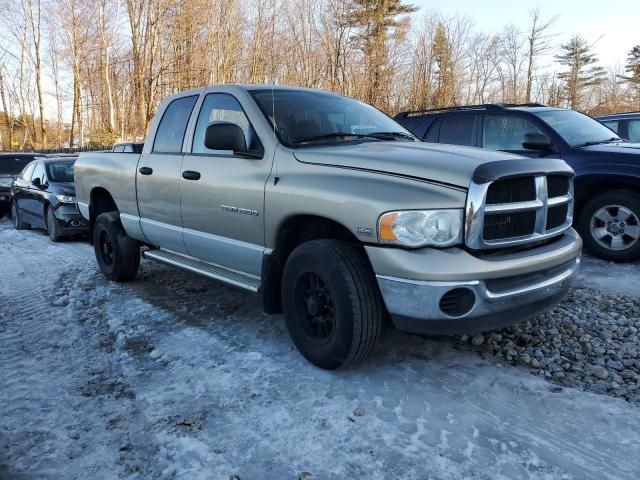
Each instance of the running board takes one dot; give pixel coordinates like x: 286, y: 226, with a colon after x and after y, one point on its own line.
x: 210, y: 270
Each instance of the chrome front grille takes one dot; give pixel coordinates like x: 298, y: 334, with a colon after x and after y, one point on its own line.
x: 518, y: 210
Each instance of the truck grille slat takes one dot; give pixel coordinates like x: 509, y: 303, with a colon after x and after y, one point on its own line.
x: 520, y: 210
x: 521, y: 189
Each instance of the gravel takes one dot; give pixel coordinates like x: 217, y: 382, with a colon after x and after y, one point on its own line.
x: 589, y: 341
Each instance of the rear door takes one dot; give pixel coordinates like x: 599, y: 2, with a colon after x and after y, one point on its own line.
x: 21, y: 191
x: 223, y: 209
x: 158, y: 177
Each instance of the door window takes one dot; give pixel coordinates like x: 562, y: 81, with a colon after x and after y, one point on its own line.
x: 27, y: 172
x: 506, y: 132
x: 173, y: 125
x: 613, y: 125
x: 633, y: 127
x: 434, y: 132
x: 220, y: 107
x: 38, y: 172
x: 457, y: 131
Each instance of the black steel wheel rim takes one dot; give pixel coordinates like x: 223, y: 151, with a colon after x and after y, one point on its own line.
x: 315, y: 307
x: 105, y: 246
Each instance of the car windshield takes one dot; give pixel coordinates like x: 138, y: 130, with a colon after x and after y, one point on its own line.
x: 305, y: 118
x: 60, y: 172
x: 577, y: 129
x: 10, y: 165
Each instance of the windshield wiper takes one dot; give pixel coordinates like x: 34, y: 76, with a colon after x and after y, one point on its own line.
x: 328, y: 136
x: 392, y: 135
x: 600, y: 142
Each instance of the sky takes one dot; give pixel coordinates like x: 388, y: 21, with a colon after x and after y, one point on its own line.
x: 614, y: 27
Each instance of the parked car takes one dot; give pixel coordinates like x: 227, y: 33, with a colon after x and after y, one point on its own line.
x: 44, y: 196
x: 626, y: 125
x: 335, y: 214
x: 11, y: 164
x: 607, y: 183
x: 127, y: 148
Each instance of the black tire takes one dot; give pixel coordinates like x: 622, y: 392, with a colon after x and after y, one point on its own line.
x: 18, y: 224
x: 592, y: 223
x: 118, y: 255
x: 53, y: 229
x: 331, y: 302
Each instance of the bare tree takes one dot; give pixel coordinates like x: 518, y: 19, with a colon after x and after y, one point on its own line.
x: 539, y: 42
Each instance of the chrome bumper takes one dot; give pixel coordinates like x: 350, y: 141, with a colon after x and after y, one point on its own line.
x: 415, y: 305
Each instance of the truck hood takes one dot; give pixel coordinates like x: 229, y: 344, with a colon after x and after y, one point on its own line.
x: 449, y: 165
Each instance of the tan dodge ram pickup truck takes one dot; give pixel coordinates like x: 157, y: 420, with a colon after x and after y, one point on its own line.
x: 335, y: 215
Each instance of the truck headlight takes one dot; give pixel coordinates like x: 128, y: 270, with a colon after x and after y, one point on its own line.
x: 419, y: 228
x: 66, y: 199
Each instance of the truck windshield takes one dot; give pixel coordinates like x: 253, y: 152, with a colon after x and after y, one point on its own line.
x: 60, y: 172
x: 305, y: 118
x: 577, y: 129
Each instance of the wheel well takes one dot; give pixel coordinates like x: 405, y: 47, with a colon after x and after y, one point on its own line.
x: 101, y: 201
x: 593, y: 188
x: 293, y: 232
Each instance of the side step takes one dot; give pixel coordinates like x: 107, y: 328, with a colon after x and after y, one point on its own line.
x: 210, y: 270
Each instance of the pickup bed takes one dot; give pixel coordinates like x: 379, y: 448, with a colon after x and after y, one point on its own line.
x: 335, y: 215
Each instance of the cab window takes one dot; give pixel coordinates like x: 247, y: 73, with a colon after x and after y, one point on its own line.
x: 506, y: 132
x: 173, y: 125
x: 222, y: 107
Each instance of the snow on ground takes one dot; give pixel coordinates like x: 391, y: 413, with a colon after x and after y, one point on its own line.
x: 174, y: 376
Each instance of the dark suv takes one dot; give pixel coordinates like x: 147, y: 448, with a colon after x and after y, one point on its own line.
x: 607, y: 183
x: 626, y: 125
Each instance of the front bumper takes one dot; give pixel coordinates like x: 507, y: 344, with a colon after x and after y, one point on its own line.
x: 70, y: 221
x: 498, y: 290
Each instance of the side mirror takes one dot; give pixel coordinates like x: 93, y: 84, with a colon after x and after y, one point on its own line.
x: 225, y: 136
x: 36, y: 182
x: 537, y: 141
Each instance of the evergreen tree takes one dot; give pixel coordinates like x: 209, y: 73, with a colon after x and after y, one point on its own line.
x: 376, y: 21
x: 582, y: 72
x: 633, y: 69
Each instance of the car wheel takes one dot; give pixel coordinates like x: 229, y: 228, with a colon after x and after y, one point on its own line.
x: 332, y: 306
x: 610, y: 225
x: 118, y: 255
x: 18, y: 224
x: 53, y: 228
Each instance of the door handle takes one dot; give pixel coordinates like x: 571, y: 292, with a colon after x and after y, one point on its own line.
x: 191, y: 175
x: 145, y: 170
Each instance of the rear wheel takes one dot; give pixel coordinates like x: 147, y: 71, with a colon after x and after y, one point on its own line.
x: 118, y: 255
x: 610, y: 225
x: 331, y: 302
x: 53, y: 228
x: 17, y: 222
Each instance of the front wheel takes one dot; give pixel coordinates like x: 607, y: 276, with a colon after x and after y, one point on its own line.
x: 118, y: 255
x: 331, y: 302
x: 610, y: 225
x: 53, y: 229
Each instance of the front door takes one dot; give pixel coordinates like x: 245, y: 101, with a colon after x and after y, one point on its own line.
x: 158, y: 178
x: 223, y: 194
